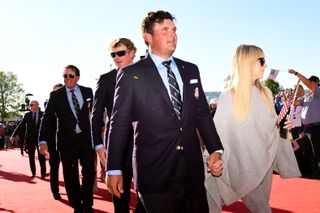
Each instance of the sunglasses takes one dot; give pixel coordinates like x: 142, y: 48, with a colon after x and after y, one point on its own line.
x: 68, y: 75
x: 119, y: 53
x: 31, y: 104
x: 262, y: 61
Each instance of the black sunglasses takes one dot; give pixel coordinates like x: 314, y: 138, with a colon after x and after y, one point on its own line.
x: 31, y: 104
x: 119, y: 53
x: 70, y: 75
x: 262, y: 61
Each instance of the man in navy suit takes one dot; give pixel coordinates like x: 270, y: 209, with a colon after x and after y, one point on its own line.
x: 28, y: 130
x: 71, y: 106
x: 167, y: 158
x: 123, y: 51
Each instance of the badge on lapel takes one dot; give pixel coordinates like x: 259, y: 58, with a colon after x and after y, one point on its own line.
x: 88, y: 102
x: 196, y: 93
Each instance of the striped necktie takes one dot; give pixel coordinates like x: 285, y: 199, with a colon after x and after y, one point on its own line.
x: 75, y: 103
x: 174, y: 90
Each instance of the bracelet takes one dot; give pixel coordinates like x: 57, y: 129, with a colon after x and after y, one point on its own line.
x: 296, y: 73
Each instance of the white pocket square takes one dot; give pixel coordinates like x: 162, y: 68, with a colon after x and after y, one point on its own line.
x: 193, y: 81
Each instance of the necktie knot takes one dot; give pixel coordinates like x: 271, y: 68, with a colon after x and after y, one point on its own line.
x: 167, y: 64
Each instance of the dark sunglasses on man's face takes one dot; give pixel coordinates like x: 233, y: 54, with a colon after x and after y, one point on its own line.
x: 31, y: 105
x: 262, y: 61
x: 119, y: 53
x: 68, y: 75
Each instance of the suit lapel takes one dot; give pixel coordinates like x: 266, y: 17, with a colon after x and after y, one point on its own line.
x: 185, y: 102
x: 155, y: 78
x: 66, y: 101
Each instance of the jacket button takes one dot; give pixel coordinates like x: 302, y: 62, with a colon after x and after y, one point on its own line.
x: 181, y: 129
x: 178, y: 147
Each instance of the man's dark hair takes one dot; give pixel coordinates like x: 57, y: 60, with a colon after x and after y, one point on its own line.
x: 74, y: 68
x: 152, y: 18
x: 314, y: 79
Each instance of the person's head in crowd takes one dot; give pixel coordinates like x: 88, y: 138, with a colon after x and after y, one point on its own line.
x: 71, y: 76
x: 314, y: 79
x: 159, y: 33
x: 248, y: 66
x: 34, y: 105
x: 57, y: 86
x: 123, y: 51
x: 300, y: 91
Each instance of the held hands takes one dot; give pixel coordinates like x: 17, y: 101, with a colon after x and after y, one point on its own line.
x: 43, y: 149
x: 115, y: 185
x: 215, y: 164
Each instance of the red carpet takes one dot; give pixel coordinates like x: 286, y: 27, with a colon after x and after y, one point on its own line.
x: 21, y: 194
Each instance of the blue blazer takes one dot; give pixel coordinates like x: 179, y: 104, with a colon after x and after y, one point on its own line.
x: 142, y: 99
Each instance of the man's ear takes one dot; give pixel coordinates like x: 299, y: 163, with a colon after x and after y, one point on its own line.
x: 147, y: 37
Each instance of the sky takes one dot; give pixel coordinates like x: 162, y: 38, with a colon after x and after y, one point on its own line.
x: 38, y: 38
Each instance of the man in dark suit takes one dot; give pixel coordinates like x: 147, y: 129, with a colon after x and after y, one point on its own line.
x: 28, y: 130
x: 122, y: 51
x: 71, y: 105
x: 54, y: 156
x: 162, y: 97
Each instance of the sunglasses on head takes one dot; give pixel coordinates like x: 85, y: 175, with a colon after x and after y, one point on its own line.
x: 262, y: 61
x: 68, y: 75
x: 119, y: 53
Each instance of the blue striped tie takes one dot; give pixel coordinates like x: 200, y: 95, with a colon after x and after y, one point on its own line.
x: 174, y: 90
x: 75, y: 103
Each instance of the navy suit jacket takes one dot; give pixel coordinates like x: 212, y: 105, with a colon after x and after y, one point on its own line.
x: 142, y: 99
x: 58, y: 108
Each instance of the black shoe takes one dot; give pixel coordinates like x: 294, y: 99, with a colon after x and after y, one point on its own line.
x: 57, y: 196
x: 88, y: 210
x: 43, y: 176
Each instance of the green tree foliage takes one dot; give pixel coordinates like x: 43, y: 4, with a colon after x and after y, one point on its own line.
x: 10, y: 95
x: 274, y: 86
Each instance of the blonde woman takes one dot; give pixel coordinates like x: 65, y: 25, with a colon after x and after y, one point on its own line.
x: 246, y: 123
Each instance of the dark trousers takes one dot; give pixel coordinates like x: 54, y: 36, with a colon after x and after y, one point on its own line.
x: 181, y: 196
x: 42, y: 161
x: 121, y: 205
x: 80, y: 197
x: 54, y: 162
x: 314, y: 132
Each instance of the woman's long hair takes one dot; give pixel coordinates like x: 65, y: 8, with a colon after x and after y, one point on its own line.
x: 243, y: 64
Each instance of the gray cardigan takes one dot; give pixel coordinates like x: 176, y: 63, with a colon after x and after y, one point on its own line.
x: 251, y: 148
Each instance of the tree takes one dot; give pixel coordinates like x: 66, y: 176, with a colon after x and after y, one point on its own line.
x: 274, y: 86
x: 10, y: 95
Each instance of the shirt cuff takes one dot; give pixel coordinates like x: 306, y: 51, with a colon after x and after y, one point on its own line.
x: 219, y: 151
x: 114, y: 172
x: 98, y: 147
x: 42, y: 142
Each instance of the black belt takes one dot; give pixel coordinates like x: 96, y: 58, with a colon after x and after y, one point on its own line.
x: 312, y: 124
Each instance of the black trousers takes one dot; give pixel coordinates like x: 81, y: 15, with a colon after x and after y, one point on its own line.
x: 42, y: 160
x: 54, y: 161
x: 80, y: 197
x: 182, y: 195
x: 314, y: 132
x: 121, y: 205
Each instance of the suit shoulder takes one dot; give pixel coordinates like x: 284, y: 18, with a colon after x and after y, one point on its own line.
x: 108, y: 74
x: 186, y: 63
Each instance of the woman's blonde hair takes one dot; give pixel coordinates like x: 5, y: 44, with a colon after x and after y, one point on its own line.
x: 243, y: 65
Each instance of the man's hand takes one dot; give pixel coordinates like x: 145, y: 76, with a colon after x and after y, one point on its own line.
x: 102, y: 155
x: 115, y: 185
x: 215, y: 165
x: 43, y: 149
